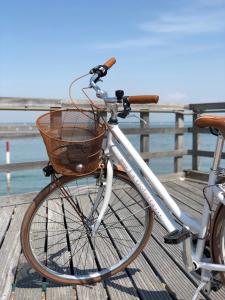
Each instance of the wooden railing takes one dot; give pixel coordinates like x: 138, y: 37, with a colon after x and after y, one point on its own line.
x: 145, y: 111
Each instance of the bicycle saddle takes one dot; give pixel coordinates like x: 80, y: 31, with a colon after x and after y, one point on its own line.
x: 212, y: 121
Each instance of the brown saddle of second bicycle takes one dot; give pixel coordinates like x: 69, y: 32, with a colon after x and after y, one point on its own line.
x: 217, y: 122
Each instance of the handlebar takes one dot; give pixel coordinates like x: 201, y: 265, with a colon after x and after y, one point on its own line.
x: 143, y: 99
x: 101, y: 71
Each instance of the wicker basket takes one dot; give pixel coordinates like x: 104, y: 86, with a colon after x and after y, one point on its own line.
x: 73, y: 140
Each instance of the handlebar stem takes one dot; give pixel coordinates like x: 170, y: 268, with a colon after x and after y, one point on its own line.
x: 101, y: 93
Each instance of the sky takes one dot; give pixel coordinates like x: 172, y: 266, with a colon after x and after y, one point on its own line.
x: 173, y: 48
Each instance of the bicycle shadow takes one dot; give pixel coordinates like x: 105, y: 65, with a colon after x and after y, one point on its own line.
x: 27, y: 277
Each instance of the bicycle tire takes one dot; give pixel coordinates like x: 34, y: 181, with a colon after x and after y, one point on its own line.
x: 59, y: 259
x: 217, y: 242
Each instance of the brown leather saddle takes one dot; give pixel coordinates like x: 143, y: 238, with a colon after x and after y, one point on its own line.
x: 217, y: 122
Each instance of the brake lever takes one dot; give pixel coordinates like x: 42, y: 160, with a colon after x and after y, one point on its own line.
x: 99, y: 71
x: 126, y: 108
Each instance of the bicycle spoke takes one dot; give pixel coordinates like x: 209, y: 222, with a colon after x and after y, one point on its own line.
x: 109, y: 245
x: 72, y: 221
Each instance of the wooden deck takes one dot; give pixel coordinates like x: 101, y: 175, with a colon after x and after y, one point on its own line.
x: 158, y: 273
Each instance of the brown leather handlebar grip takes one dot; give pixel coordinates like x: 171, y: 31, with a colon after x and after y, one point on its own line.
x: 143, y: 99
x: 110, y: 62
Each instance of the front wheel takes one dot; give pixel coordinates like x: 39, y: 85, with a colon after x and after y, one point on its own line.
x: 57, y: 237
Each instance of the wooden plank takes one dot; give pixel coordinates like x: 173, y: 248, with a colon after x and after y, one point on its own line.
x: 158, y: 154
x: 26, y: 103
x: 196, y: 194
x: 11, y: 134
x: 20, y: 130
x: 206, y: 153
x: 184, y: 201
x: 27, y: 294
x: 17, y: 199
x: 196, y: 191
x: 11, y: 102
x: 9, y: 253
x: 146, y: 281
x: 5, y: 218
x: 23, y: 166
x: 171, y: 177
x: 157, y: 130
x: 61, y: 293
x: 197, y: 175
x: 96, y: 291
x: 197, y: 183
x: 40, y: 164
x: 17, y: 127
x: 18, y: 135
x: 207, y: 106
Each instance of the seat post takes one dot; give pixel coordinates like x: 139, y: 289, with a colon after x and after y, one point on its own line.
x: 216, y: 160
x: 218, y: 152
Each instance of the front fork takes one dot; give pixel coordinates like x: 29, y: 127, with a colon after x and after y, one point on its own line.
x: 106, y: 188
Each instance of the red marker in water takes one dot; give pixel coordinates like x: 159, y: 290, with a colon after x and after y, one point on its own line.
x: 8, y: 175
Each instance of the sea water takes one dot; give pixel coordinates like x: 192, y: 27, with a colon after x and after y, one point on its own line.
x: 33, y: 149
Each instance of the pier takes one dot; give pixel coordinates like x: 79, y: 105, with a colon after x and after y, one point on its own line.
x: 158, y: 272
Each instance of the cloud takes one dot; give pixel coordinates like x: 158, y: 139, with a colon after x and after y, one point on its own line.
x: 186, y: 24
x: 198, y: 19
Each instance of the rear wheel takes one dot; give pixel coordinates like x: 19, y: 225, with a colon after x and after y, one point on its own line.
x: 56, y: 232
x: 218, y: 239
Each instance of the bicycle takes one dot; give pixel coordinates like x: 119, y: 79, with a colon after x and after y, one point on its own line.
x: 84, y: 228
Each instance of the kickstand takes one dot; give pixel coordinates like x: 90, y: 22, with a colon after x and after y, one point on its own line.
x: 200, y: 287
x: 205, y: 284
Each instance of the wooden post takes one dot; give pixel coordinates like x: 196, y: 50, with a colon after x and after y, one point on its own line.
x: 103, y: 114
x: 195, y: 143
x: 55, y: 117
x: 179, y: 141
x: 144, y: 138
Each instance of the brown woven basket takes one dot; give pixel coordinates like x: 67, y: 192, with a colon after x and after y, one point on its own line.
x: 73, y: 140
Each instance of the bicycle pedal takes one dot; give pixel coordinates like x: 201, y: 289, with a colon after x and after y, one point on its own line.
x: 177, y: 236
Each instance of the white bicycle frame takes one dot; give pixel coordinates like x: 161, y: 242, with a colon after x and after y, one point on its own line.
x: 146, y: 181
